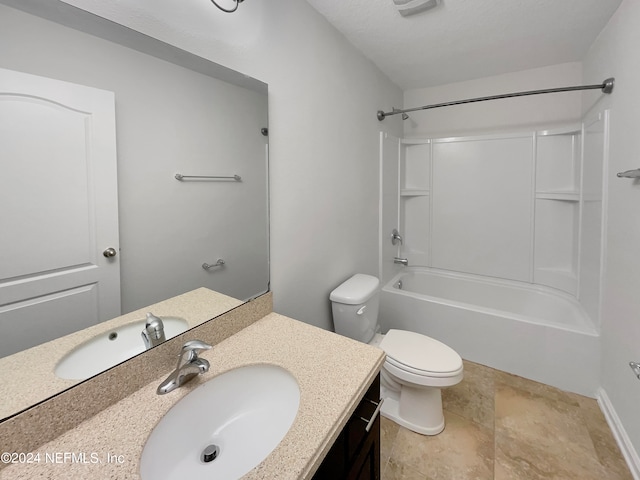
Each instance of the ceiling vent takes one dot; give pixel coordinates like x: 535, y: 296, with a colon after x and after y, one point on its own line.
x: 411, y: 7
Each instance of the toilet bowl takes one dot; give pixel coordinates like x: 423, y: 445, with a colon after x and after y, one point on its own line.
x: 415, y: 370
x: 416, y: 367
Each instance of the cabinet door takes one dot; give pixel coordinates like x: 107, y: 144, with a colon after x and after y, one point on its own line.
x: 366, y: 465
x: 356, y: 452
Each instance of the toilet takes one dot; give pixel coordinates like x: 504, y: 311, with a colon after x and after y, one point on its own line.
x: 416, y: 367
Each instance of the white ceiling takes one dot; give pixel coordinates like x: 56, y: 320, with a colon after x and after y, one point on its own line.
x: 464, y: 39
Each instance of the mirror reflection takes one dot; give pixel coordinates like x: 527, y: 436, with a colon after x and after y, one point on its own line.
x: 131, y: 179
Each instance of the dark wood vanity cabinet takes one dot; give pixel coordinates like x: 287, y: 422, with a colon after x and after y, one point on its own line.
x: 355, y: 455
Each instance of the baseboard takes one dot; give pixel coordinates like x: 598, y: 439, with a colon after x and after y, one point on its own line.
x: 620, y: 434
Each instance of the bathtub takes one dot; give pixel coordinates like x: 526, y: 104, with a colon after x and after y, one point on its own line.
x: 529, y: 330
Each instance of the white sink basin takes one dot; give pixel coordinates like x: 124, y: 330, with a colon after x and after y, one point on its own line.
x: 111, y: 348
x: 245, y: 413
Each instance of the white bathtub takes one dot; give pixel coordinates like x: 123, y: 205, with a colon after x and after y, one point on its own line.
x: 529, y: 330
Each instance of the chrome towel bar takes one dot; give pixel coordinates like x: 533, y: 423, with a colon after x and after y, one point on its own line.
x: 219, y: 263
x: 630, y: 174
x: 181, y: 177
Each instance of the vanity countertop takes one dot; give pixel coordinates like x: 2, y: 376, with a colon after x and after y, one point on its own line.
x: 333, y: 373
x: 35, y: 366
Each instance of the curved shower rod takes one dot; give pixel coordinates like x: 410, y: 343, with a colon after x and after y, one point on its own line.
x: 606, y: 86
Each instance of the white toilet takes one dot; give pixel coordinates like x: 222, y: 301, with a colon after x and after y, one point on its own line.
x: 416, y: 367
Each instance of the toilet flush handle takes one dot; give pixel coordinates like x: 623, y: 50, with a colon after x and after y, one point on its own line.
x: 361, y: 310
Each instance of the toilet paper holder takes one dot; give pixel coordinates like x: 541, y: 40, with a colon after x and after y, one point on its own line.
x: 635, y: 366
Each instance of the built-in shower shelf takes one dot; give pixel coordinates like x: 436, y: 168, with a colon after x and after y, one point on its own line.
x: 413, y: 192
x: 568, y: 196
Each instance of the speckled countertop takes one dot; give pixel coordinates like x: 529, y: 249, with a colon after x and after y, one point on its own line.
x: 23, y: 371
x: 333, y: 373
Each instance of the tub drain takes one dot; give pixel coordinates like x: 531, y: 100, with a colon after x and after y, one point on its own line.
x: 210, y: 453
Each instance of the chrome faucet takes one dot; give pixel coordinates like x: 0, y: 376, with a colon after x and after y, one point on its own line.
x: 153, y: 333
x: 401, y: 261
x: 189, y: 366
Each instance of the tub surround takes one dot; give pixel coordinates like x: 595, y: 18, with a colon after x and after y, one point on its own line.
x: 543, y: 226
x: 38, y: 425
x: 333, y: 373
x: 23, y: 371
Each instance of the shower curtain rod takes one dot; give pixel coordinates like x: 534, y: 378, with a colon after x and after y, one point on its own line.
x: 606, y: 87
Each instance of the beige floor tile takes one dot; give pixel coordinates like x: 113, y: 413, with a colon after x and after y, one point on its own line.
x: 473, y: 398
x: 504, y: 427
x: 517, y: 460
x: 388, y: 433
x: 539, y: 421
x: 398, y: 471
x: 464, y: 450
x: 607, y: 450
x: 537, y: 388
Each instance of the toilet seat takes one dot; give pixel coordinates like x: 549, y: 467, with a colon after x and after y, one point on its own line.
x: 419, y: 372
x: 412, y: 380
x: 422, y: 360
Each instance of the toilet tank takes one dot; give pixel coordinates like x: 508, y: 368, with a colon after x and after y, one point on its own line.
x: 354, y: 304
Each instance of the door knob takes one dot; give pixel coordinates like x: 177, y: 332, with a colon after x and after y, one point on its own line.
x: 110, y: 252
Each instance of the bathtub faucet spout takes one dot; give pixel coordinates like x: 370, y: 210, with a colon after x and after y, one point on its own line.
x: 401, y: 261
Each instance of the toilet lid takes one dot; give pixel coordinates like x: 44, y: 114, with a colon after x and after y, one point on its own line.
x: 420, y: 353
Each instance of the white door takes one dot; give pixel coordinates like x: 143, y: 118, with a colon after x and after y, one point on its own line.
x: 58, y: 209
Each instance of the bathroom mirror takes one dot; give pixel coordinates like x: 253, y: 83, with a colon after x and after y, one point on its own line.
x: 175, y: 114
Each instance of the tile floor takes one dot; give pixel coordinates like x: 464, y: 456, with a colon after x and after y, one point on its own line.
x: 503, y: 427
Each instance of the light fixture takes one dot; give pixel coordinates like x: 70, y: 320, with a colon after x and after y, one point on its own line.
x: 228, y: 10
x: 411, y: 7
